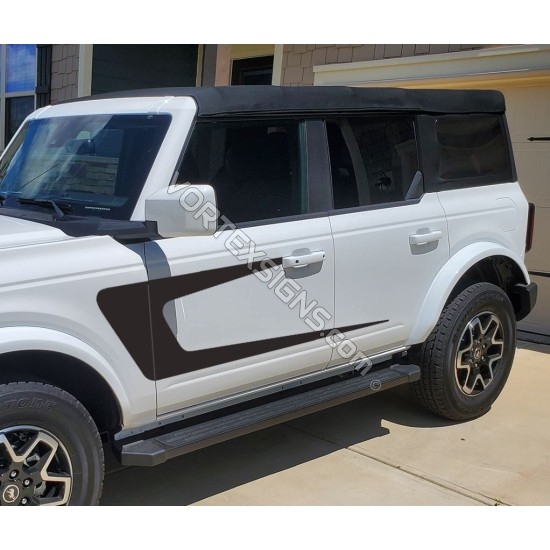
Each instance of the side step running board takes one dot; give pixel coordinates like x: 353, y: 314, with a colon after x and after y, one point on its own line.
x: 154, y: 451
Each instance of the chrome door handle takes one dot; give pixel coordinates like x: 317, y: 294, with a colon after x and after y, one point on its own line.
x: 303, y: 260
x: 424, y: 238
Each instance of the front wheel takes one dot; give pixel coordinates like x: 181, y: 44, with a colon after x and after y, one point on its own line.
x: 50, y: 450
x: 467, y: 358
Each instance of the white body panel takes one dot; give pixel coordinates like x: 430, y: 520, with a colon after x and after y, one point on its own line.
x: 380, y: 275
x: 492, y: 225
x: 48, y: 301
x: 14, y: 233
x: 246, y: 310
x: 498, y: 215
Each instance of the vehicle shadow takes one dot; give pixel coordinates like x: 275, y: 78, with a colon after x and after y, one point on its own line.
x: 541, y: 347
x: 211, y: 471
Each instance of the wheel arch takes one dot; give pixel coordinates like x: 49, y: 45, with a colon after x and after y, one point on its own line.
x: 67, y: 373
x: 44, y: 355
x: 480, y: 262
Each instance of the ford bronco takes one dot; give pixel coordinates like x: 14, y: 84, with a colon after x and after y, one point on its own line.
x: 183, y: 266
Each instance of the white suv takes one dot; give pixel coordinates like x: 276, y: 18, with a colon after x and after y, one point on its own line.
x: 182, y: 266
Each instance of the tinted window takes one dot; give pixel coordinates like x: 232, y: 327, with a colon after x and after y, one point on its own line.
x: 256, y: 168
x: 472, y: 146
x: 373, y: 160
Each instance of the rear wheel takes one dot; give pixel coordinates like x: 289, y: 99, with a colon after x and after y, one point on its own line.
x: 467, y: 358
x: 50, y: 450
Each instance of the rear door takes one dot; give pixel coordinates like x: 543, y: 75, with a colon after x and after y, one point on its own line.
x: 390, y: 239
x: 248, y: 306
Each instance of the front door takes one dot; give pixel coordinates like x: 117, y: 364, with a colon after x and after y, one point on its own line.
x: 246, y: 307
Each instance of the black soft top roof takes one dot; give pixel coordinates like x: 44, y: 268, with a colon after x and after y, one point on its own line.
x: 252, y: 100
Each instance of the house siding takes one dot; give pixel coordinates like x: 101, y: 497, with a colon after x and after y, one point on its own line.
x: 64, y: 83
x: 299, y: 59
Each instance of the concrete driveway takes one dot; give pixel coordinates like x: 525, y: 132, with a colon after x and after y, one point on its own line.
x: 378, y: 450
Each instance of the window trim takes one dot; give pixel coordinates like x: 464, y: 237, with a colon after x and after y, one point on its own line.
x: 272, y: 221
x: 378, y: 206
x: 318, y: 178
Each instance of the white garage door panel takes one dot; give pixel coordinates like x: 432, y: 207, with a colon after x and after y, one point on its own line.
x: 528, y: 110
x: 533, y: 166
x: 528, y: 114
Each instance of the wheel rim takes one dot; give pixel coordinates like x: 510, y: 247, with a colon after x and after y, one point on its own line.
x: 479, y: 353
x: 35, y: 468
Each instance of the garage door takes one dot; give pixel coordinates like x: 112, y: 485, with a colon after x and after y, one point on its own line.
x: 528, y: 113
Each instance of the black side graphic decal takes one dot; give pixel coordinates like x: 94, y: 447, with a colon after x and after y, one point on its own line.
x: 126, y: 310
x: 158, y: 267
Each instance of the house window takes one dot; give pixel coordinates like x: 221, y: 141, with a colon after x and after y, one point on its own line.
x: 252, y: 70
x: 17, y: 87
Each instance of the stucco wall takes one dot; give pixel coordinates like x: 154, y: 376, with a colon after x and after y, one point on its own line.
x: 299, y: 59
x: 64, y: 72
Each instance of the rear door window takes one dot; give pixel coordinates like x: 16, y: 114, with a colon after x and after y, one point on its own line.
x: 373, y: 159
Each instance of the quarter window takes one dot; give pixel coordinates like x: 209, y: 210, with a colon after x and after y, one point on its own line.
x: 256, y: 168
x: 472, y: 146
x: 373, y: 160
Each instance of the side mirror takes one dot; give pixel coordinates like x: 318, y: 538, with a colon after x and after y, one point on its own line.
x: 183, y: 210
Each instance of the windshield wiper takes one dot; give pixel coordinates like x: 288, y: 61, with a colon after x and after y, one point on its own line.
x: 48, y: 203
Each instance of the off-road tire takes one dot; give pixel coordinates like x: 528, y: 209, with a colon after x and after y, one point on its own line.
x: 69, y: 444
x: 442, y: 388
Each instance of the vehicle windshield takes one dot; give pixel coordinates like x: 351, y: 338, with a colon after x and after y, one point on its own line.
x: 94, y: 165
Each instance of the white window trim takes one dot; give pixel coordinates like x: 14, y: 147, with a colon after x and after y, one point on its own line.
x: 277, y: 65
x: 85, y: 58
x: 506, y: 64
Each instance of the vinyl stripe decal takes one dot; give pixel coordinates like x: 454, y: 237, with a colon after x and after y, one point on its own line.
x: 126, y: 309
